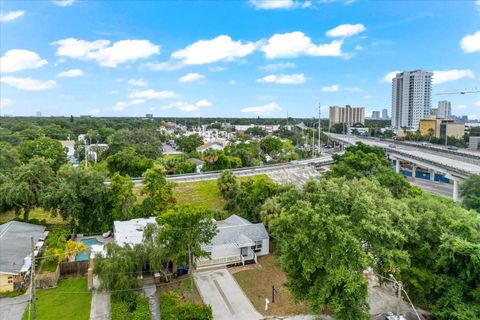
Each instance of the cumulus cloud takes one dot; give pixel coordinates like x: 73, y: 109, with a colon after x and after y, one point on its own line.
x: 346, y: 30
x: 138, y: 82
x: 477, y: 103
x: 332, y: 88
x: 272, y: 4
x: 104, y: 52
x: 63, y: 3
x: 28, y: 83
x: 18, y: 59
x: 277, y: 66
x: 294, y: 44
x: 296, y: 78
x: 120, y: 105
x: 94, y: 111
x: 189, y: 77
x: 152, y: 94
x: 471, y: 42
x: 163, y: 66
x: 11, y: 15
x: 451, y: 75
x: 71, y: 73
x: 188, y: 107
x: 266, y: 109
x: 221, y: 48
x: 388, y: 77
x: 461, y: 106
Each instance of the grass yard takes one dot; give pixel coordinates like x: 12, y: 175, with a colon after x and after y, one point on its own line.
x: 49, y: 266
x: 60, y: 303
x: 182, y: 288
x: 201, y: 193
x: 36, y: 213
x: 172, y: 157
x: 257, y: 285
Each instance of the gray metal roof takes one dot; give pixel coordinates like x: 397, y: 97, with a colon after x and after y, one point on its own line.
x: 15, y: 244
x: 236, y: 230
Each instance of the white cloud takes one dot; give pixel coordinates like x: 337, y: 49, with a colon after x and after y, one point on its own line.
x: 138, y: 82
x: 277, y: 66
x: 63, y: 3
x: 367, y: 97
x: 346, y: 30
x: 94, y: 111
x: 113, y: 92
x: 451, y: 75
x: 294, y: 44
x: 388, y: 77
x: 152, y: 94
x: 120, y: 105
x: 71, y: 73
x: 164, y: 66
x: 296, y: 78
x: 266, y: 109
x: 221, y: 48
x: 11, y: 15
x: 189, y: 77
x: 477, y: 103
x: 5, y: 102
x: 105, y: 54
x: 359, y: 48
x: 471, y: 42
x: 188, y: 107
x: 28, y: 83
x: 18, y: 59
x: 272, y: 4
x: 462, y: 106
x: 216, y: 69
x: 332, y: 88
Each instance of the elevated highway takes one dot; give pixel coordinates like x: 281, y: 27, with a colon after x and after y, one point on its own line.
x: 455, y: 165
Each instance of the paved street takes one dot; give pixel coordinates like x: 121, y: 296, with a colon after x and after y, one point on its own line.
x: 219, y: 289
x: 438, y: 188
x: 13, y: 308
x: 100, y: 307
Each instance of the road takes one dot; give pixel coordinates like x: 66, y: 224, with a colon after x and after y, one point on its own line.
x: 13, y: 308
x: 438, y: 188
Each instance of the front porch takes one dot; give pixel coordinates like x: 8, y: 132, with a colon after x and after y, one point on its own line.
x: 245, y: 256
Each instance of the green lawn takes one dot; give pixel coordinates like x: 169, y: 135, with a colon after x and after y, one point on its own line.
x: 172, y: 156
x: 49, y: 266
x: 70, y: 300
x: 37, y: 213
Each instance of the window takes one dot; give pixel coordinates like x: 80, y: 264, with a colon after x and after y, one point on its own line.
x: 258, y: 245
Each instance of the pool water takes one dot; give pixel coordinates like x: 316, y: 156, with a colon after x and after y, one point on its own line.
x: 89, y: 242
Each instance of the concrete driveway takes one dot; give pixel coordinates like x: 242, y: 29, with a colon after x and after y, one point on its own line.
x: 13, y: 308
x: 220, y: 290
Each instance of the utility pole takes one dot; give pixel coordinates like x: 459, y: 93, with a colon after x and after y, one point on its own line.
x: 399, y: 298
x: 86, y: 153
x: 32, y: 284
x: 319, y: 128
x: 313, y: 140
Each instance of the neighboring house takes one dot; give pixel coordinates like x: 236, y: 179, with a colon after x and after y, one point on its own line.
x: 69, y: 145
x: 16, y: 252
x: 237, y: 241
x: 212, y: 145
x: 130, y: 231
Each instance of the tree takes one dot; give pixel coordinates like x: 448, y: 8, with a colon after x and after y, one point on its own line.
x: 189, y: 143
x: 128, y: 162
x: 9, y: 158
x: 121, y: 197
x: 227, y: 183
x: 470, y: 191
x: 24, y: 189
x: 256, y: 131
x: 81, y: 197
x: 46, y: 148
x: 217, y: 160
x: 271, y: 146
x: 146, y: 142
x: 59, y: 248
x: 158, y: 190
x: 158, y: 252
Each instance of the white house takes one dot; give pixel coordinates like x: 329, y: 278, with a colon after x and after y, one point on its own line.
x: 213, y: 145
x: 130, y: 231
x: 237, y: 241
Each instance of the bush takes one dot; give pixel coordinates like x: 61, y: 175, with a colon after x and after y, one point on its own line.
x: 135, y: 309
x: 172, y: 308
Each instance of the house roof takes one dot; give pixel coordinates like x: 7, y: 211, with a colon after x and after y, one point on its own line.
x: 131, y: 231
x: 208, y: 145
x: 15, y: 245
x: 238, y: 232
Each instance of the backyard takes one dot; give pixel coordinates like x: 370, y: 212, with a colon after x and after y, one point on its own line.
x: 257, y: 284
x: 70, y: 300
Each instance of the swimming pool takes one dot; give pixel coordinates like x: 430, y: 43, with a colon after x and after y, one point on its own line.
x: 89, y: 242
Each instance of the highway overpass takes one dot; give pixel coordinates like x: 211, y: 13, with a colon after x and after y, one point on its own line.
x: 455, y: 165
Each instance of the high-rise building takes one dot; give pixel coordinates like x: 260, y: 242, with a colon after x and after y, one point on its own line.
x: 444, y: 109
x: 38, y: 114
x: 434, y: 112
x: 385, y: 114
x: 347, y: 115
x: 376, y: 115
x: 411, y: 98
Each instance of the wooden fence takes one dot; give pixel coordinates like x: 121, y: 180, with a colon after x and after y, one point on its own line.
x: 47, y: 279
x: 73, y: 267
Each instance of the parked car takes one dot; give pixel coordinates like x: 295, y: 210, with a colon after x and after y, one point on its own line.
x: 391, y: 316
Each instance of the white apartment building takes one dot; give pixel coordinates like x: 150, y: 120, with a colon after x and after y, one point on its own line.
x: 411, y: 98
x: 444, y: 109
x: 347, y: 115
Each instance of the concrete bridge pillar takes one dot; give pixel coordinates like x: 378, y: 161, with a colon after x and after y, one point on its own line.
x: 456, y: 197
x: 414, y: 171
x: 397, y: 166
x: 432, y: 175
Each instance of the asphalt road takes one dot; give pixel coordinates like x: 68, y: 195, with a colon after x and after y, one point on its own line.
x: 438, y: 188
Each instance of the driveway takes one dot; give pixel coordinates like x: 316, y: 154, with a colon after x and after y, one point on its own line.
x: 13, y: 308
x: 100, y: 307
x: 220, y: 290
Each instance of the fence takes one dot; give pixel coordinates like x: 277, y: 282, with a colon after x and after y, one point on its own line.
x: 73, y: 267
x: 47, y: 279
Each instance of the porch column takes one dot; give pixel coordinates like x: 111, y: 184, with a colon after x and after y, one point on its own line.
x: 455, y: 190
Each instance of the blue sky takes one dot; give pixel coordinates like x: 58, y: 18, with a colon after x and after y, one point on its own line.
x: 232, y: 58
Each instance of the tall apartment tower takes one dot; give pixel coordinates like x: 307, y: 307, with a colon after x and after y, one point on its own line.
x: 411, y: 98
x: 347, y: 115
x: 376, y: 115
x: 444, y: 109
x: 385, y: 114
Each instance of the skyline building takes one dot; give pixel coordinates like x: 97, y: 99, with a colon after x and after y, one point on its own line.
x: 444, y: 109
x: 376, y: 115
x: 385, y: 114
x: 347, y: 115
x: 411, y: 98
